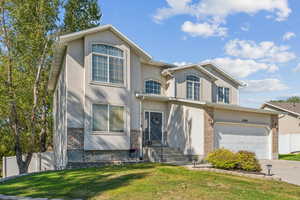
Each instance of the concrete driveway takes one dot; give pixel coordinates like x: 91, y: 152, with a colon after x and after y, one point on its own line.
x: 288, y: 171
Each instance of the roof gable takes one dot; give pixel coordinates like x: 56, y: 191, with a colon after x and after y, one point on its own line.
x: 224, y: 74
x: 64, y: 39
x: 195, y: 66
x: 293, y: 108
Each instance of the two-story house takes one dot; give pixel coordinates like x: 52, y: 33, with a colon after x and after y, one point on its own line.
x: 111, y: 99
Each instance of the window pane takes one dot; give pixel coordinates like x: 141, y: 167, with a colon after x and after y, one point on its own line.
x: 226, y: 95
x: 196, y: 91
x: 192, y: 78
x: 220, y: 94
x: 189, y: 90
x: 152, y: 87
x: 115, y: 70
x: 100, y: 117
x: 99, y: 68
x: 116, y: 119
x: 106, y: 49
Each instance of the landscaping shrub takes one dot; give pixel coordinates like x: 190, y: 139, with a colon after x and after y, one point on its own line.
x: 223, y: 159
x: 226, y: 159
x: 247, y: 161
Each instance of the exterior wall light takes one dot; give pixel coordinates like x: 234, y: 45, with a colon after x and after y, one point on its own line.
x: 269, y: 167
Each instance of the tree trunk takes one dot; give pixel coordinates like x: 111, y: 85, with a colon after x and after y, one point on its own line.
x: 13, y: 114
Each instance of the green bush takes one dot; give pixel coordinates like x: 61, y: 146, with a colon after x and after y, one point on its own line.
x: 247, y: 161
x: 223, y: 159
x: 226, y: 159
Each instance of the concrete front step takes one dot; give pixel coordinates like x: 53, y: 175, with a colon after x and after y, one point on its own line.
x: 165, y: 154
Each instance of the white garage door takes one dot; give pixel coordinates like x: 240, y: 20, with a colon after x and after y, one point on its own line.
x: 249, y: 138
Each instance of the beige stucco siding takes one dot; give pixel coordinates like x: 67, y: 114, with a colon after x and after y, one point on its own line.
x: 185, y: 129
x: 222, y: 115
x: 96, y: 92
x: 150, y: 72
x: 75, y: 84
x: 288, y: 123
x: 224, y: 82
x: 205, y: 84
x: 60, y: 123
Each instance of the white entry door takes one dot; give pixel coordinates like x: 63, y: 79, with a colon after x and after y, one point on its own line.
x: 238, y: 137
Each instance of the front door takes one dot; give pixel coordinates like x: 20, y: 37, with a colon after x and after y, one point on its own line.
x: 153, y: 127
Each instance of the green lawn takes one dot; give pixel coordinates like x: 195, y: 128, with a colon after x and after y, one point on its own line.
x: 147, y: 181
x: 295, y: 157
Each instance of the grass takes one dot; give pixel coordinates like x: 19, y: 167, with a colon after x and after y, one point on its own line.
x: 147, y: 181
x: 295, y: 157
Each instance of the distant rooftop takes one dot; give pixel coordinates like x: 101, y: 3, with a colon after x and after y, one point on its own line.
x: 293, y: 107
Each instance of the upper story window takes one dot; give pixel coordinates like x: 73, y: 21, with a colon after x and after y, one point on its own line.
x: 223, y: 95
x: 193, y: 87
x: 152, y: 87
x: 107, y: 64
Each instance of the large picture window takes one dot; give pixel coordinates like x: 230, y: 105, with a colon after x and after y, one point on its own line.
x: 193, y: 87
x: 107, y: 64
x: 108, y: 118
x: 152, y: 87
x: 223, y: 95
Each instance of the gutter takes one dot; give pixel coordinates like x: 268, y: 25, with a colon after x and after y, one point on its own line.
x: 204, y: 103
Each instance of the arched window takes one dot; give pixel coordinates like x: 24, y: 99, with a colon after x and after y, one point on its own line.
x: 152, y: 87
x: 193, y: 87
x: 107, y: 64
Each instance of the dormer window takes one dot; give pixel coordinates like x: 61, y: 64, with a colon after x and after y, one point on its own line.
x: 107, y: 64
x: 223, y: 95
x: 152, y: 87
x: 193, y: 87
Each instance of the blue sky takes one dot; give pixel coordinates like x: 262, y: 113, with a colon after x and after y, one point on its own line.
x: 258, y: 42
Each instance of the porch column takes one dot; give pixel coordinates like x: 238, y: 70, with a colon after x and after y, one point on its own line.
x: 274, y: 128
x: 208, y: 130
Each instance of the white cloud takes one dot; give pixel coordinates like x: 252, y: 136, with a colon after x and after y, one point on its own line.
x: 264, y: 85
x: 218, y: 10
x: 288, y: 35
x: 265, y: 51
x: 242, y: 68
x: 177, y: 7
x: 297, y: 68
x: 203, y: 29
x: 245, y: 27
x: 182, y: 63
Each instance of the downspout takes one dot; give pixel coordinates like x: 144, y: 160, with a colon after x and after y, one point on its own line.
x: 141, y: 128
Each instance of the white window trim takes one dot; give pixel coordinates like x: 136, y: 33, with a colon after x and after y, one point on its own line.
x: 108, y: 132
x: 108, y: 83
x: 155, y: 81
x: 193, y: 88
x: 223, y: 90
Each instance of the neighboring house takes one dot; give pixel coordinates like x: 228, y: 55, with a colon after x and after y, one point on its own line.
x: 289, y: 125
x: 111, y: 98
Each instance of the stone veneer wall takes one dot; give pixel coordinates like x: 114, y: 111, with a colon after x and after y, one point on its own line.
x: 135, y: 139
x: 76, y: 152
x: 275, y: 128
x: 208, y: 130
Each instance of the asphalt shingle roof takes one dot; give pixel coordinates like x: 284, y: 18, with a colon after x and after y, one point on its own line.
x: 294, y: 107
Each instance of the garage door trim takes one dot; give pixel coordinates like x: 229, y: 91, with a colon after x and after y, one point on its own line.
x: 244, y: 124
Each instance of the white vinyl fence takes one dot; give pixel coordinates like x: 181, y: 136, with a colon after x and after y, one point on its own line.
x: 289, y: 143
x: 39, y: 162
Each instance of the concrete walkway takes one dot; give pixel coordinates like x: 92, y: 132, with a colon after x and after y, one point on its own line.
x: 288, y: 171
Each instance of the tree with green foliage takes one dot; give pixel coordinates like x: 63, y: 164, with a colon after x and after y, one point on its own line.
x: 80, y: 15
x: 28, y: 30
x: 26, y: 47
x: 293, y: 99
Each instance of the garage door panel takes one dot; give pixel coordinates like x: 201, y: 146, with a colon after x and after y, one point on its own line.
x: 237, y: 137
